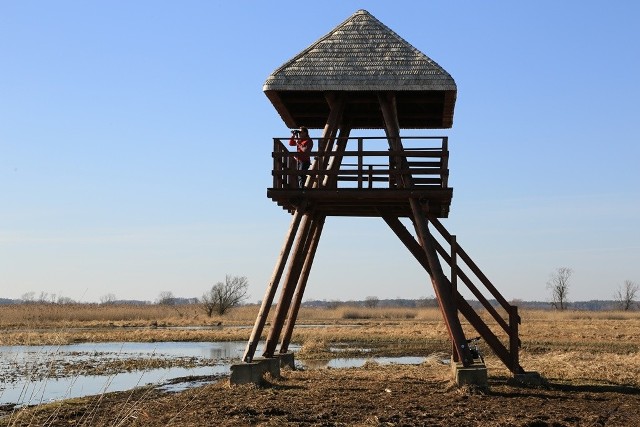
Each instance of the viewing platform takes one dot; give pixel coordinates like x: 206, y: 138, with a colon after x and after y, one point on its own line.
x: 364, y: 181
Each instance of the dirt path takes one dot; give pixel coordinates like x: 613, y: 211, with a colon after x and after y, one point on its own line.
x: 370, y: 396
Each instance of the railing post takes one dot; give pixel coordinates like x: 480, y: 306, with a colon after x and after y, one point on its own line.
x: 444, y: 163
x: 360, y: 162
x: 514, y: 341
x: 454, y: 268
x: 316, y: 165
x: 277, y: 165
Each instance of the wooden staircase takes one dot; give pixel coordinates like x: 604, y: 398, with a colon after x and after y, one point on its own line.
x: 501, y: 334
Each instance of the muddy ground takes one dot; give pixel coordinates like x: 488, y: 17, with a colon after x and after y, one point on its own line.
x: 374, y: 395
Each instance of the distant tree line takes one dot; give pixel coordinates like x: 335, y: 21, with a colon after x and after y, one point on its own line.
x: 223, y: 296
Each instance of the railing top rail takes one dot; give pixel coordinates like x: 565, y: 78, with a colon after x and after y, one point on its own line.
x: 375, y: 137
x: 427, y: 154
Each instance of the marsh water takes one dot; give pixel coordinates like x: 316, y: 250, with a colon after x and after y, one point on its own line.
x: 32, y: 375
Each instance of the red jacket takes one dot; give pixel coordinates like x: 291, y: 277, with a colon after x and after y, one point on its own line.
x: 304, y: 149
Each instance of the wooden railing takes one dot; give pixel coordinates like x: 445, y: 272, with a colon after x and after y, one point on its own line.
x: 507, y: 322
x: 424, y: 158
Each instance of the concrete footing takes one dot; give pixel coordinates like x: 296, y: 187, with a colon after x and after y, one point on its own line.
x: 287, y: 361
x: 474, y: 374
x: 253, y: 372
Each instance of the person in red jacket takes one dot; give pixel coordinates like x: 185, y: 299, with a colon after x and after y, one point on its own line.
x: 304, y: 146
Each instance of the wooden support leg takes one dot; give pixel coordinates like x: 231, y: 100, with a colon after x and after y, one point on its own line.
x: 441, y: 287
x: 388, y: 107
x: 267, y: 301
x: 418, y: 252
x: 295, y: 267
x: 302, y: 283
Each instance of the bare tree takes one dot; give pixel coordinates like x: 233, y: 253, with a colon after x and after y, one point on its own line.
x: 28, y: 297
x: 107, y: 299
x: 558, y: 284
x: 224, y: 296
x: 46, y: 298
x: 371, y: 302
x: 626, y: 295
x: 166, y: 298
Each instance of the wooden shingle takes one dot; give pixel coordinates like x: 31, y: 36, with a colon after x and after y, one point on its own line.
x: 362, y: 56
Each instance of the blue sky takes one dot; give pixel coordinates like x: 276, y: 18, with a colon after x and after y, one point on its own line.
x: 135, y: 146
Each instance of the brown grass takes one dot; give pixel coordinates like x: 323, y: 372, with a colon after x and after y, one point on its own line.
x: 578, y: 345
x: 82, y: 315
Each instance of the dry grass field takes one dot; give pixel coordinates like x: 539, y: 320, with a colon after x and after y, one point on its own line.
x: 590, y: 360
x: 596, y: 346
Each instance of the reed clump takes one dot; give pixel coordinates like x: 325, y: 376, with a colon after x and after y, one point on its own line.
x: 314, y: 349
x: 377, y: 313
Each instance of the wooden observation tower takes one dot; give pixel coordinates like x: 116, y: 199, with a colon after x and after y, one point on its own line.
x: 362, y: 75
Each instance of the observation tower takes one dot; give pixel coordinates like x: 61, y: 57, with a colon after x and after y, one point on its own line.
x: 362, y: 75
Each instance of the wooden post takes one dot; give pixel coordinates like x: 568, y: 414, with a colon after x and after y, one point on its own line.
x: 261, y: 319
x: 333, y: 164
x: 295, y: 266
x: 336, y: 105
x: 359, y: 162
x: 514, y: 340
x: 292, y: 315
x: 454, y: 266
x: 438, y: 279
x: 444, y: 162
x: 302, y: 283
x: 302, y: 243
x: 337, y: 156
x: 439, y: 282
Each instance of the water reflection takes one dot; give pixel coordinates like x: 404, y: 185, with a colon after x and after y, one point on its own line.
x: 52, y: 389
x: 35, y: 374
x: 357, y: 362
x: 32, y: 375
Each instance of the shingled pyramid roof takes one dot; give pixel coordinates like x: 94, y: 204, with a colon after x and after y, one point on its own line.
x: 362, y: 56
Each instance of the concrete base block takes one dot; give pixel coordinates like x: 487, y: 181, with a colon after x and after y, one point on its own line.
x: 287, y: 360
x: 474, y: 374
x: 246, y: 373
x: 271, y: 365
x: 253, y: 372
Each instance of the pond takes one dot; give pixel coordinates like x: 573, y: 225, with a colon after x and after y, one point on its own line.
x: 32, y: 375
